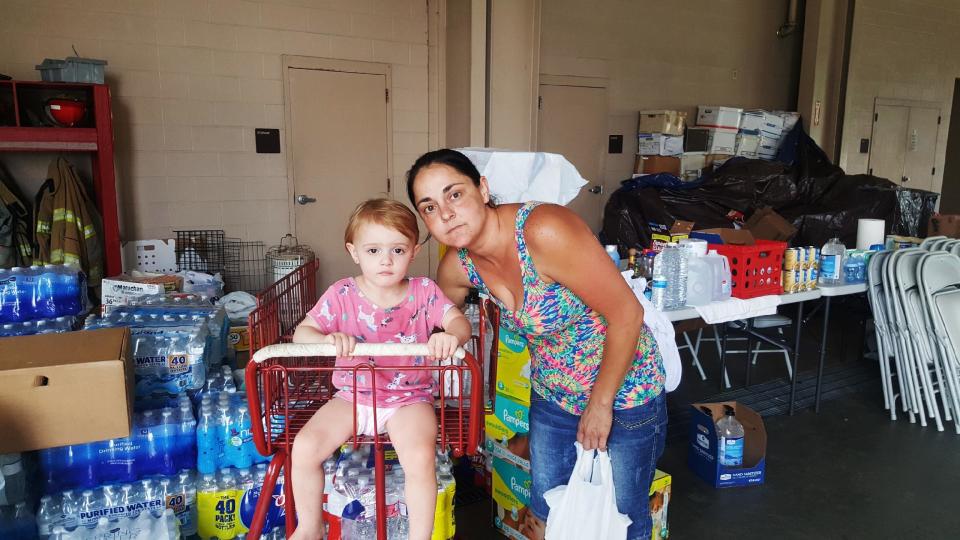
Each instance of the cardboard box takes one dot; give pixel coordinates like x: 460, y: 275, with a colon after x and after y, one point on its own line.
x: 657, y: 164
x: 757, y: 121
x: 660, y: 493
x: 659, y: 144
x: 703, y: 454
x: 747, y: 145
x: 513, y: 367
x: 721, y: 141
x: 719, y: 117
x: 511, y: 496
x: 660, y: 235
x: 739, y: 237
x: 120, y: 290
x: 766, y: 224
x: 61, y: 389
x: 692, y: 165
x: 668, y: 122
x: 509, y: 419
x: 944, y: 225
x: 239, y: 338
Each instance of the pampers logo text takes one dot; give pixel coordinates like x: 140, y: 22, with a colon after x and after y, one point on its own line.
x: 522, y: 488
x: 517, y: 421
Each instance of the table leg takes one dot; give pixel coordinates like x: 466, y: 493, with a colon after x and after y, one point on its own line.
x: 723, y: 351
x: 796, y: 357
x: 823, y: 352
x: 746, y: 377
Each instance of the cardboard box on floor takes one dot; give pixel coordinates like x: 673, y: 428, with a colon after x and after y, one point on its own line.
x: 944, y: 225
x: 60, y: 389
x: 765, y: 224
x: 703, y: 454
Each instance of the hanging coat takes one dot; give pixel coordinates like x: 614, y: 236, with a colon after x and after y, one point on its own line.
x: 68, y: 226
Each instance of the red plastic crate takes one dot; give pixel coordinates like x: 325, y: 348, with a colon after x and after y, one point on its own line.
x: 755, y: 270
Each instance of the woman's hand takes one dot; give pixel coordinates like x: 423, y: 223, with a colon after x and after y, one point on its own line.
x: 443, y: 345
x: 344, y: 343
x: 594, y: 428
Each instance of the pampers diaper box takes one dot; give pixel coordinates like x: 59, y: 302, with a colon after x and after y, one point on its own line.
x: 511, y: 497
x: 513, y: 367
x: 660, y: 491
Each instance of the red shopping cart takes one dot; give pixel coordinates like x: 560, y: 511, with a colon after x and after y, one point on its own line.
x: 287, y: 383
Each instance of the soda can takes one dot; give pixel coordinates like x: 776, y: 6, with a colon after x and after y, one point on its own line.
x: 790, y: 259
x: 812, y: 276
x: 813, y: 255
x: 789, y: 281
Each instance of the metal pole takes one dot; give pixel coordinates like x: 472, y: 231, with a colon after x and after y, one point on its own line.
x: 796, y: 357
x: 823, y: 354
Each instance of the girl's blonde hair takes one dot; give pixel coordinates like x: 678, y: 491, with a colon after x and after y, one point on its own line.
x: 387, y: 212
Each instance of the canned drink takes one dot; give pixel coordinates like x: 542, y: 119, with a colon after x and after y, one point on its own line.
x: 813, y: 254
x: 789, y: 281
x: 790, y: 259
x: 812, y: 277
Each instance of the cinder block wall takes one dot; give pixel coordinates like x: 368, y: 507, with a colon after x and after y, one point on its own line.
x: 191, y: 79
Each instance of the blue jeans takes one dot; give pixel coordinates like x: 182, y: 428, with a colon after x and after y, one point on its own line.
x: 635, y: 443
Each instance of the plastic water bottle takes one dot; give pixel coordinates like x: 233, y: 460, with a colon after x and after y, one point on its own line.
x: 675, y: 266
x: 188, y: 518
x: 701, y: 280
x: 47, y: 516
x: 45, y: 300
x: 237, y: 446
x: 207, y: 442
x: 731, y: 438
x: 69, y: 509
x: 831, y: 262
x: 614, y: 254
x: 659, y: 284
x: 88, y: 504
x: 185, y: 445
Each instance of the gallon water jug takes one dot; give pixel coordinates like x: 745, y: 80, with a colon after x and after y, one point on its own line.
x: 700, y: 281
x: 722, y: 279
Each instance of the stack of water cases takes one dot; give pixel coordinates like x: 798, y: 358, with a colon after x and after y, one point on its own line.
x: 41, y: 299
x: 172, y: 345
x: 226, y: 501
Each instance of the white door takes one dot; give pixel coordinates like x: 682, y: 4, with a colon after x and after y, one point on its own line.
x: 340, y: 157
x: 573, y: 123
x: 921, y: 148
x: 889, y: 146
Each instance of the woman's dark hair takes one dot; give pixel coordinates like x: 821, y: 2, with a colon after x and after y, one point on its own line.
x: 450, y: 158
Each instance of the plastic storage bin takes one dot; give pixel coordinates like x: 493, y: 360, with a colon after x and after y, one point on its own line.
x: 754, y: 270
x: 72, y: 69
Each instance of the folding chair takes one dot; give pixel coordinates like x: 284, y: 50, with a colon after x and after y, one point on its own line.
x: 885, y: 345
x: 917, y: 338
x: 939, y: 281
x: 909, y: 391
x: 694, y: 352
x: 930, y: 240
x: 956, y: 249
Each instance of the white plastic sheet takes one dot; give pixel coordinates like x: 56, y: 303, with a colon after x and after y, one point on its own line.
x: 587, y: 506
x: 527, y: 176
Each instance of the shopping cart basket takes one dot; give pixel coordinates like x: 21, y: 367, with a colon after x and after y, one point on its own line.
x: 287, y: 383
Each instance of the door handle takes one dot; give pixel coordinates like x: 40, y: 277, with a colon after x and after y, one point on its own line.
x: 304, y: 199
x: 596, y: 190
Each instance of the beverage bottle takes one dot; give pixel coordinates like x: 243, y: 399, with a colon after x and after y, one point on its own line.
x: 450, y: 491
x: 8, y: 297
x: 168, y: 432
x: 441, y: 521
x: 45, y: 299
x: 224, y: 422
x: 24, y: 522
x: 186, y: 438
x: 831, y: 262
x: 148, y: 492
x: 207, y: 495
x: 127, y: 497
x: 69, y: 509
x: 188, y: 518
x: 88, y: 504
x: 700, y: 283
x: 167, y: 495
x: 731, y: 438
x: 246, y: 483
x: 14, y: 479
x: 239, y: 447
x: 152, y: 455
x: 613, y: 253
x: 47, y: 516
x: 227, y: 504
x: 675, y: 266
x: 207, y: 442
x: 167, y: 527
x: 659, y: 283
x: 23, y: 291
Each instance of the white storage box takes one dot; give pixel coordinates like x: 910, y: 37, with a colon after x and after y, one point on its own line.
x: 747, y: 145
x: 721, y: 141
x: 691, y: 165
x: 719, y: 117
x: 768, y: 148
x: 659, y: 144
x: 788, y: 119
x: 756, y: 122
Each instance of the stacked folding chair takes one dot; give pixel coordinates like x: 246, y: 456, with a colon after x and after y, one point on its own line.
x: 915, y: 297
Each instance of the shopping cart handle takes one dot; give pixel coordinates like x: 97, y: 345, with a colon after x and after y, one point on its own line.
x: 285, y: 350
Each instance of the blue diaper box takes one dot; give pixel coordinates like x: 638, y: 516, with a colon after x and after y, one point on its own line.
x: 703, y: 455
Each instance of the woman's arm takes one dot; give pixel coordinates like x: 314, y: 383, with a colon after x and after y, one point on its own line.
x: 565, y: 250
x: 452, y: 279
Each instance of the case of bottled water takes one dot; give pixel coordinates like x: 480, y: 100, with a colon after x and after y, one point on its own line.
x: 162, y: 441
x: 42, y: 292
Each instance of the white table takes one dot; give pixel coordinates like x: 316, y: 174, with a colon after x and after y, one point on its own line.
x: 824, y: 291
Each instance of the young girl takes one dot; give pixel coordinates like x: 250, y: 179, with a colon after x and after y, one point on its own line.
x: 381, y: 305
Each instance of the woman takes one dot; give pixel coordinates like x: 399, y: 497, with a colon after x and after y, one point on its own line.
x: 596, y: 374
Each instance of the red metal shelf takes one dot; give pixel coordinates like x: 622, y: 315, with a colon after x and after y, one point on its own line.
x: 97, y: 140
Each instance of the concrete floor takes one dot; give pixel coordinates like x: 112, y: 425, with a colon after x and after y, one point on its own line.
x: 846, y: 473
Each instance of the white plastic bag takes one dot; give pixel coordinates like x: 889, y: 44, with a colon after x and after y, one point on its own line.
x: 587, y: 506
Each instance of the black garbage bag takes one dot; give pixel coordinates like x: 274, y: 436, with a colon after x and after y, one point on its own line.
x: 803, y: 186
